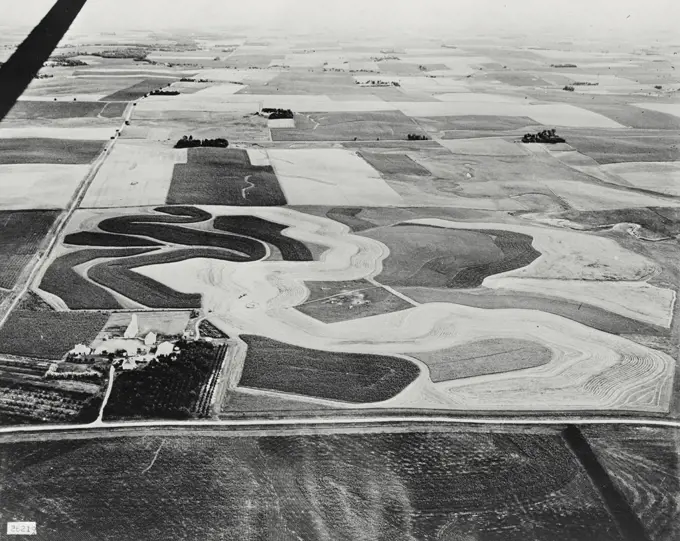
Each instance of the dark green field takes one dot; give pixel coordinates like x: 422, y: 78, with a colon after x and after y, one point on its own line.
x: 214, y: 176
x: 56, y: 151
x: 49, y: 335
x: 350, y: 377
x: 372, y: 487
x: 21, y: 233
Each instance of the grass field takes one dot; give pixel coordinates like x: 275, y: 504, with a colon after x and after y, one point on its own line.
x: 21, y: 234
x: 139, y: 89
x: 394, y: 164
x: 347, y: 126
x: 48, y: 335
x: 52, y: 151
x: 401, y: 487
x: 224, y: 177
x: 613, y: 148
x: 437, y: 258
x: 331, y: 302
x: 662, y: 177
x: 482, y: 358
x: 348, y: 377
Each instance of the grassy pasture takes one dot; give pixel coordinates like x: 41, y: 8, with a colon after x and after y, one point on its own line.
x: 53, y: 110
x: 224, y: 177
x: 21, y: 233
x: 48, y: 335
x: 444, y: 124
x: 398, y: 486
x: 482, y: 358
x: 659, y: 220
x: 349, y: 377
x: 138, y: 90
x: 346, y: 126
x: 50, y: 151
x: 331, y: 302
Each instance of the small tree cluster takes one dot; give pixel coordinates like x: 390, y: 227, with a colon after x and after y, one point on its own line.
x: 188, y: 141
x: 568, y: 88
x: 275, y: 114
x: 417, y: 137
x: 545, y: 136
x: 164, y: 93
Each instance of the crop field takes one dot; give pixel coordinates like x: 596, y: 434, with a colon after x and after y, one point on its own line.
x: 138, y: 90
x: 224, y: 177
x: 169, y: 388
x: 613, y: 148
x: 347, y: 377
x: 33, y: 109
x: 302, y: 82
x: 48, y: 335
x: 21, y: 234
x: 643, y: 465
x: 331, y: 302
x: 328, y: 176
x: 401, y: 486
x: 437, y: 258
x: 52, y: 151
x: 394, y: 164
x: 484, y: 357
x: 662, y: 177
x: 135, y: 173
x: 347, y: 126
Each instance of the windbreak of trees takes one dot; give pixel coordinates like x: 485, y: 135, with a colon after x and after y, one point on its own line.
x: 563, y: 66
x: 545, y: 136
x: 417, y: 137
x: 188, y: 141
x: 275, y: 114
x: 164, y: 93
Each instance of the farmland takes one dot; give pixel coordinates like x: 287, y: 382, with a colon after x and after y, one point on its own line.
x: 168, y: 388
x: 337, y: 376
x: 138, y: 90
x: 21, y: 234
x: 48, y: 335
x: 226, y: 177
x: 406, y: 486
x: 33, y: 110
x: 48, y: 151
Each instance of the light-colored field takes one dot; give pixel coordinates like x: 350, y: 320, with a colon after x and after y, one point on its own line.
x: 329, y: 177
x: 588, y: 369
x: 484, y: 147
x: 38, y: 186
x: 95, y: 133
x: 668, y: 108
x: 136, y: 173
x: 662, y: 177
x: 238, y: 75
x: 281, y: 123
x: 587, y: 196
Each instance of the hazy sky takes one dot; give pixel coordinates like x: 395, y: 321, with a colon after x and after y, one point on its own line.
x: 564, y: 18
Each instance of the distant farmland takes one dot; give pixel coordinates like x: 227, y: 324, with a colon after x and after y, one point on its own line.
x: 138, y: 90
x: 52, y: 151
x: 54, y: 110
x: 21, y: 233
x: 224, y: 177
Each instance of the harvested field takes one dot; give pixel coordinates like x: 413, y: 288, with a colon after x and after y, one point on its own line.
x: 302, y: 82
x: 224, y: 177
x: 402, y: 486
x: 21, y: 234
x: 394, y: 164
x: 496, y: 299
x: 482, y: 358
x: 347, y: 125
x: 484, y: 147
x: 444, y: 124
x: 329, y: 177
x: 668, y: 108
x: 138, y: 90
x: 39, y: 186
x: 346, y: 377
x: 135, y: 173
x: 52, y: 151
x: 436, y: 258
x: 614, y: 148
x: 331, y: 302
x: 25, y: 110
x: 48, y: 335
